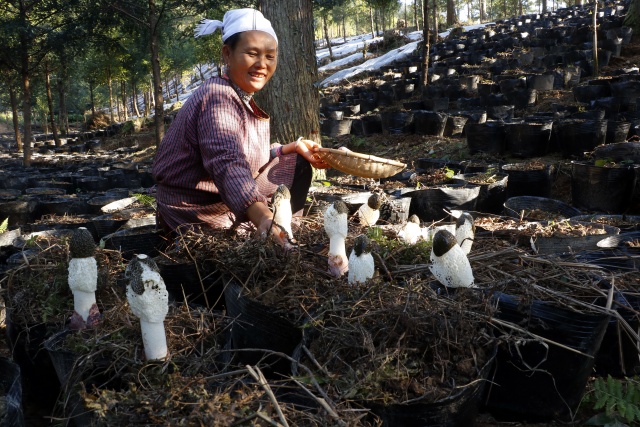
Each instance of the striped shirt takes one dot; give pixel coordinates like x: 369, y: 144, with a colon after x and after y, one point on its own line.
x: 214, y: 161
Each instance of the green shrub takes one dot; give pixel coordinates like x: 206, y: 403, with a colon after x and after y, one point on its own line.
x: 620, y: 400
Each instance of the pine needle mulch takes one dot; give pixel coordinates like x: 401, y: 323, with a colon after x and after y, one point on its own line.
x: 399, y: 339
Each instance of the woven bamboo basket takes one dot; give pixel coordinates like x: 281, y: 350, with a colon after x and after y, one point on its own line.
x: 358, y: 164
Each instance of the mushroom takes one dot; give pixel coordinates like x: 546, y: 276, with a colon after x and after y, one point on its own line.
x: 361, y: 265
x: 83, y: 280
x: 281, y: 204
x: 369, y: 212
x: 148, y: 299
x: 336, y: 226
x: 449, y: 262
x: 411, y: 232
x: 465, y: 231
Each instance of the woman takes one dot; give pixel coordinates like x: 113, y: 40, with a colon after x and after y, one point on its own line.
x: 215, y: 166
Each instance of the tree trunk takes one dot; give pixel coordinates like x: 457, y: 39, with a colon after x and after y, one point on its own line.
x: 596, y: 68
x: 63, y: 115
x: 451, y: 14
x: 633, y: 16
x: 25, y: 44
x: 176, y: 83
x: 147, y: 104
x: 109, y: 83
x: 118, y: 108
x: 425, y: 46
x: 155, y: 67
x: 290, y: 97
x: 52, y: 116
x: 483, y: 11
x: 93, y: 104
x: 544, y: 6
x: 406, y: 23
x: 344, y: 28
x: 199, y: 66
x: 376, y: 21
x: 434, y: 12
x: 134, y: 89
x: 356, y: 18
x: 14, y: 114
x: 152, y: 100
x: 415, y: 15
x: 373, y: 33
x: 326, y: 35
x: 123, y: 94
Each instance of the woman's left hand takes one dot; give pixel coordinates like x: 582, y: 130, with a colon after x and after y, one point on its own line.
x: 308, y: 149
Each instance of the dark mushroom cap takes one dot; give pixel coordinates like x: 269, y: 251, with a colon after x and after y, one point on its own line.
x: 82, y: 244
x: 442, y: 242
x: 375, y: 201
x: 466, y: 216
x: 362, y: 245
x: 134, y: 270
x: 341, y: 207
x: 282, y: 192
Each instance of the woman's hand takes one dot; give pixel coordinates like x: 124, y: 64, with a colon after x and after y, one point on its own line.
x: 260, y: 215
x: 308, y: 149
x: 268, y: 228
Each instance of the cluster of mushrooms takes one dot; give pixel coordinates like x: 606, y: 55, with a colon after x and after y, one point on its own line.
x: 146, y: 292
x: 148, y: 297
x: 450, y: 243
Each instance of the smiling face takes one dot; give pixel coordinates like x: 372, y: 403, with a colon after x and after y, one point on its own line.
x: 252, y: 61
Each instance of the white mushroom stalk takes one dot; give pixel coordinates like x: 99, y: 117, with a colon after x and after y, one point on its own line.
x: 450, y: 264
x: 149, y: 301
x: 465, y: 232
x: 361, y: 264
x: 83, y: 280
x: 411, y: 232
x: 336, y: 226
x: 281, y: 205
x: 369, y: 212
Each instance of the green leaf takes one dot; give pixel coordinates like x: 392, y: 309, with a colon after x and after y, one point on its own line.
x: 4, y: 225
x: 600, y: 403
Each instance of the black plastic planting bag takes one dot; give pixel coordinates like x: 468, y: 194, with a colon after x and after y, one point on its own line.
x: 257, y: 326
x: 432, y: 204
x: 458, y: 409
x: 618, y: 355
x: 523, y: 182
x: 535, y: 380
x: 65, y: 363
x: 602, y: 189
x: 11, y: 389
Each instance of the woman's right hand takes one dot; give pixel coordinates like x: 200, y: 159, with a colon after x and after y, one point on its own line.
x: 268, y: 228
x: 308, y: 149
x: 260, y: 215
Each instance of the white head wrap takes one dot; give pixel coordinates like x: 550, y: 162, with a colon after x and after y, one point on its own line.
x: 236, y: 21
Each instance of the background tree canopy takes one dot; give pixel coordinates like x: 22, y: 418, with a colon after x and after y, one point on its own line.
x: 64, y: 59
